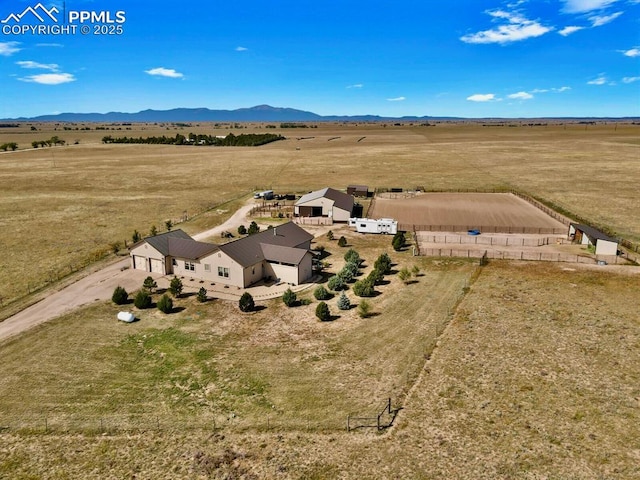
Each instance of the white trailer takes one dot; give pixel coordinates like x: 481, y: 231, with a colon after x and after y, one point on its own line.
x: 369, y: 225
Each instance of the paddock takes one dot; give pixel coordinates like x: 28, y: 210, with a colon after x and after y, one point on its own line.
x: 459, y: 212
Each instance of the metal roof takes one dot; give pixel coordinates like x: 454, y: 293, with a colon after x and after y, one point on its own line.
x: 280, y: 254
x: 248, y: 251
x: 161, y: 242
x: 190, y: 249
x: 593, y: 233
x: 340, y: 200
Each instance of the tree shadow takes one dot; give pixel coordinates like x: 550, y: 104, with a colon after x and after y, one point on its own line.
x: 259, y: 308
x: 410, y: 282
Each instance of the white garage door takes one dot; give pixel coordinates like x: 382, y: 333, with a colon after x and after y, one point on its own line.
x: 156, y: 266
x: 140, y: 262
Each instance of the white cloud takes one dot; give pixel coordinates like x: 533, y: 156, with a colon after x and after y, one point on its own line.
x: 164, y: 72
x: 43, y: 66
x: 630, y: 79
x: 569, y: 30
x: 482, y: 97
x: 634, y: 52
x: 241, y: 49
x: 561, y: 89
x: 49, y: 45
x: 50, y: 78
x: 9, y: 48
x: 357, y: 85
x: 396, y: 99
x: 517, y: 28
x: 599, y: 20
x: 581, y: 6
x: 547, y: 90
x: 601, y: 80
x: 521, y: 96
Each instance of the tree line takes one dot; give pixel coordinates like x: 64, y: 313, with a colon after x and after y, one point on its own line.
x: 231, y: 140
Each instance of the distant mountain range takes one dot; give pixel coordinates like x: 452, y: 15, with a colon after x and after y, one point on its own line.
x: 260, y: 113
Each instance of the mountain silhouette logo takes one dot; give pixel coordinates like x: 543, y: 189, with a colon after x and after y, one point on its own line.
x: 39, y: 12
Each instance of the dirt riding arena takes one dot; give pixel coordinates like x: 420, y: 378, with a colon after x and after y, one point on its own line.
x: 459, y: 212
x: 510, y: 227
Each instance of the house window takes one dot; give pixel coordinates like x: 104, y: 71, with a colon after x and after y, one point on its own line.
x: 174, y: 262
x: 207, y: 267
x: 190, y: 266
x: 223, y: 272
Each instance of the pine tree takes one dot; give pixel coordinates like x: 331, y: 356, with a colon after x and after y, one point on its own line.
x: 343, y: 302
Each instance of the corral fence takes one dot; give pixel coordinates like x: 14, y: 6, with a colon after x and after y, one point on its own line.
x: 313, y: 220
x: 383, y: 420
x: 551, y: 209
x: 427, y: 237
x: 520, y: 255
x: 408, y: 227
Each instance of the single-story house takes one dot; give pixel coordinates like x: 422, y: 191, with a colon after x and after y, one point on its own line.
x: 358, y: 190
x: 282, y: 253
x: 586, y: 235
x: 325, y: 203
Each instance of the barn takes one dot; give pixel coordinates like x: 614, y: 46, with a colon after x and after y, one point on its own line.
x: 586, y: 235
x: 358, y: 190
x: 281, y: 253
x: 325, y: 203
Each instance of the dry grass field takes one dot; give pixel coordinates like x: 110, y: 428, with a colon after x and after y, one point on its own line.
x: 61, y: 207
x: 536, y: 376
x: 533, y: 373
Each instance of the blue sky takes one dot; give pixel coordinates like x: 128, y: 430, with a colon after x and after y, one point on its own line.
x: 470, y: 58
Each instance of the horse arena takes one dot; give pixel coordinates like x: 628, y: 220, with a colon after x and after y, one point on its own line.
x: 511, y: 228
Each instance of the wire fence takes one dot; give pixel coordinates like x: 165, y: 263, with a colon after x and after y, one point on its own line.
x: 407, y: 227
x: 521, y: 255
x: 512, y: 241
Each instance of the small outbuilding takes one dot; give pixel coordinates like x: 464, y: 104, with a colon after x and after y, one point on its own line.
x: 325, y: 203
x: 586, y: 235
x: 358, y: 190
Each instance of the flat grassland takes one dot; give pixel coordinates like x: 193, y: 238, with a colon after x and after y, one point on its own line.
x: 536, y: 376
x: 517, y: 370
x: 61, y: 207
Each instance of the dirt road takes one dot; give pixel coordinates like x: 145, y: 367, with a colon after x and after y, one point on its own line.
x: 98, y: 286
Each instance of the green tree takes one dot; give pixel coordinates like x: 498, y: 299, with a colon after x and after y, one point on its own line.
x: 154, y: 231
x: 352, y: 268
x: 289, y: 297
x: 165, y: 304
x: 404, y: 274
x: 149, y: 284
x: 346, y: 275
x: 35, y: 144
x: 169, y: 225
x: 383, y: 263
x: 415, y: 270
x: 175, y: 287
x: 246, y: 302
x: 120, y: 296
x: 376, y: 276
x: 321, y: 293
x: 352, y: 257
x: 136, y: 237
x: 364, y: 288
x: 242, y: 230
x: 364, y: 309
x: 322, y: 312
x: 330, y: 235
x: 253, y: 228
x: 343, y: 302
x: 342, y: 242
x: 398, y: 241
x: 336, y: 283
x: 202, y: 295
x: 142, y: 300
x: 4, y: 147
x: 13, y: 146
